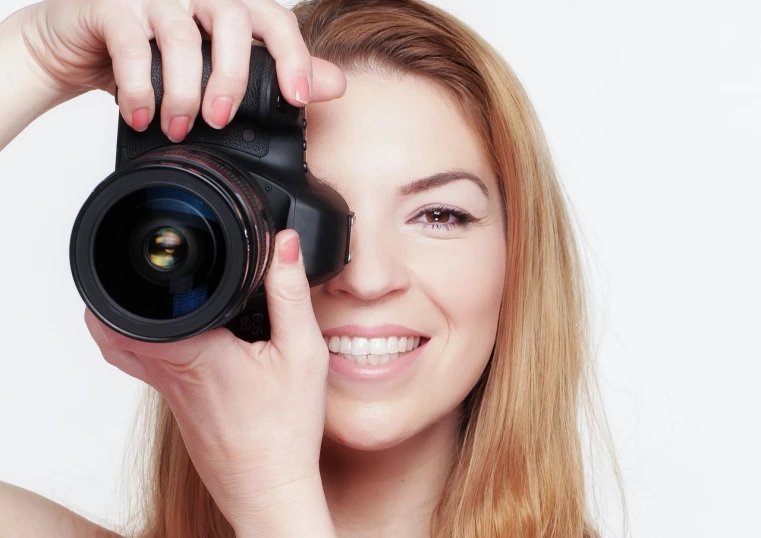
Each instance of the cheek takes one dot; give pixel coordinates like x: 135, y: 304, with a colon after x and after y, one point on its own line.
x: 467, y: 291
x: 465, y: 282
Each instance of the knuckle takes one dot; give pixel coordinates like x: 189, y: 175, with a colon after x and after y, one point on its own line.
x: 181, y: 94
x: 284, y: 20
x: 182, y: 34
x: 108, y: 357
x: 103, y: 10
x: 295, y: 291
x: 135, y: 94
x: 289, y: 17
x: 183, y: 103
x: 235, y: 78
x: 111, y: 356
x: 128, y: 49
x: 237, y: 14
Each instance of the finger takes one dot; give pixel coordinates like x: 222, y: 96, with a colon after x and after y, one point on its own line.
x: 125, y: 361
x: 278, y: 28
x: 179, y: 41
x: 229, y: 23
x: 329, y: 81
x: 130, y: 53
x: 185, y: 353
x: 294, y: 329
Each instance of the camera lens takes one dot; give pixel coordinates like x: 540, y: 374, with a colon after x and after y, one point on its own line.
x: 159, y: 252
x: 172, y: 244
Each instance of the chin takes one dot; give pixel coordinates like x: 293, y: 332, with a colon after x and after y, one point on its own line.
x: 367, y: 427
x: 364, y: 440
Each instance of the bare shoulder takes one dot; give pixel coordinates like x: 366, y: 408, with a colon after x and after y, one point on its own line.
x: 24, y: 513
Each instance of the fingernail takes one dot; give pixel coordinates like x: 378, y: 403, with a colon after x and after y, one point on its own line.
x: 289, y: 250
x: 178, y: 128
x: 220, y: 112
x: 300, y: 89
x: 140, y: 119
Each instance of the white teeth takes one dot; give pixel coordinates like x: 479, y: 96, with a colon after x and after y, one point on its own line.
x: 359, y: 346
x: 374, y: 350
x: 371, y: 359
x: 378, y: 346
x: 349, y: 357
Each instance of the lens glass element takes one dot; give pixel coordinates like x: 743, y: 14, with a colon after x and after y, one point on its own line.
x: 166, y: 248
x: 159, y: 253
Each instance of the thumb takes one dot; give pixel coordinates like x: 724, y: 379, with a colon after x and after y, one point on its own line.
x: 294, y: 329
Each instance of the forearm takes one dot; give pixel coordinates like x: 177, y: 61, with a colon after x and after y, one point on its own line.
x: 24, y: 513
x: 26, y: 92
x: 290, y: 513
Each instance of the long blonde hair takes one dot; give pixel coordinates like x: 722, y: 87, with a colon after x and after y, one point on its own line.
x: 519, y: 470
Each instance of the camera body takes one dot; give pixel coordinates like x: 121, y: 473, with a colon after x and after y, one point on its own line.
x: 178, y: 239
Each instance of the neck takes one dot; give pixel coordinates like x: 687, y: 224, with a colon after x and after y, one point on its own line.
x: 389, y: 492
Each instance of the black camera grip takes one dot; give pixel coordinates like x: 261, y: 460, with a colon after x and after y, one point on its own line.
x: 262, y: 102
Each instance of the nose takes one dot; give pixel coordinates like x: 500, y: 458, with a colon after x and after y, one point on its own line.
x: 376, y: 268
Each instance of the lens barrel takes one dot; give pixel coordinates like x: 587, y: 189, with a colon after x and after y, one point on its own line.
x: 172, y: 244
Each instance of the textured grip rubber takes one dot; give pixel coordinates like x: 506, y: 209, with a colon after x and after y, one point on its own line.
x: 262, y: 102
x: 262, y: 81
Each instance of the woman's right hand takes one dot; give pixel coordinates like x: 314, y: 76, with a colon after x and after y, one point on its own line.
x: 86, y: 44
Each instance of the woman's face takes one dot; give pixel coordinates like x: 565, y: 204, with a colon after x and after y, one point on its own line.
x: 428, y: 258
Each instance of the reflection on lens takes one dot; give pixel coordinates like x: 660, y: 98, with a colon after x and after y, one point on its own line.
x: 159, y: 253
x: 167, y: 248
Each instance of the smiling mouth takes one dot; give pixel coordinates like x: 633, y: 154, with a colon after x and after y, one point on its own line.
x: 373, y: 351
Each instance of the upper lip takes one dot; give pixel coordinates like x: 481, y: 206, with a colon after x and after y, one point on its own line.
x: 374, y: 331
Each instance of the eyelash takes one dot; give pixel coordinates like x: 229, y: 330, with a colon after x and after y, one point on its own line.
x: 463, y: 217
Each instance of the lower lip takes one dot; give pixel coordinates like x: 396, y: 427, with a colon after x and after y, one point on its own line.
x: 379, y: 372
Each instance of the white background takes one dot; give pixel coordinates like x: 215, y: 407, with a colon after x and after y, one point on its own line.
x: 653, y: 113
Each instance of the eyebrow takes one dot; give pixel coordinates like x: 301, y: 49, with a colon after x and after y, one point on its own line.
x: 432, y: 182
x: 439, y: 180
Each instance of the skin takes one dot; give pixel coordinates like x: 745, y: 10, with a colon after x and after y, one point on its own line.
x: 388, y: 446
x: 270, y: 429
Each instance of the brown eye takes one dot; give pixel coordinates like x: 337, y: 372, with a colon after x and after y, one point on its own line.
x: 439, y: 216
x: 443, y: 219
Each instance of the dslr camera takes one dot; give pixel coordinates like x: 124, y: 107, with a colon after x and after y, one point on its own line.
x: 178, y: 239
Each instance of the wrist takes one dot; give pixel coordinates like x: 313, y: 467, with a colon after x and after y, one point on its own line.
x: 26, y: 91
x: 293, y: 511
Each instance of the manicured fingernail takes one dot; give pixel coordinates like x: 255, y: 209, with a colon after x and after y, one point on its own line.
x: 220, y: 112
x: 178, y: 128
x: 289, y: 250
x: 140, y: 119
x: 300, y: 89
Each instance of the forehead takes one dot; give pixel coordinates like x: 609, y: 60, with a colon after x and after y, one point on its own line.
x: 391, y: 127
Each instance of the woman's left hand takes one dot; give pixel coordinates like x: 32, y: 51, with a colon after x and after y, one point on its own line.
x: 251, y: 415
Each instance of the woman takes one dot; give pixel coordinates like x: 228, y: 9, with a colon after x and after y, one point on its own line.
x: 433, y: 387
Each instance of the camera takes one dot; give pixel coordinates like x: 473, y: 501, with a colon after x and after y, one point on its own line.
x: 178, y: 239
